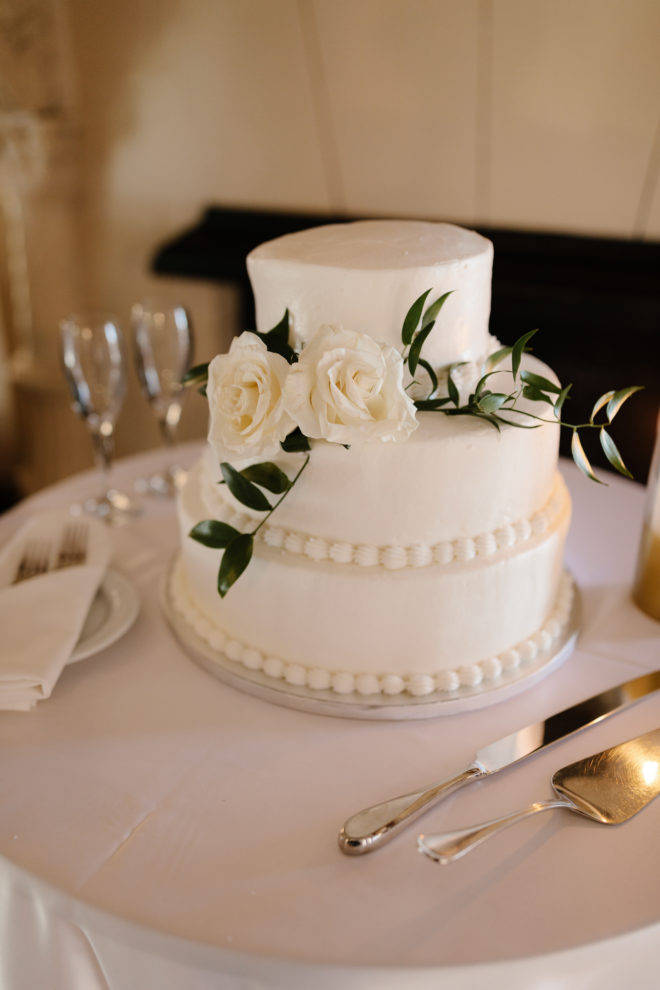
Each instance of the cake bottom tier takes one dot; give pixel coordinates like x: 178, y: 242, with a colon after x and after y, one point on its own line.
x: 368, y: 630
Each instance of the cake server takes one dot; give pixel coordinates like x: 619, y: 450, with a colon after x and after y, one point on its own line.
x: 609, y: 787
x: 371, y: 828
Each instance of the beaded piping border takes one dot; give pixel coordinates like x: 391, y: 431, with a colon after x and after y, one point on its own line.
x: 368, y: 685
x: 458, y: 551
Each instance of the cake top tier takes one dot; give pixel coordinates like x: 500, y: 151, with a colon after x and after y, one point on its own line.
x: 366, y: 274
x: 377, y: 244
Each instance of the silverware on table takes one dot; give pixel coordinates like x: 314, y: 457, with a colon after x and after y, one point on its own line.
x: 73, y: 548
x: 608, y: 787
x: 35, y: 559
x: 36, y: 555
x: 371, y: 828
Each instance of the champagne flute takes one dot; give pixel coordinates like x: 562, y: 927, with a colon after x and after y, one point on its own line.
x: 163, y: 344
x: 93, y: 357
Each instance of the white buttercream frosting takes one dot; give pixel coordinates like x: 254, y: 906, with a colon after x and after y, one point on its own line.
x: 469, y: 599
x: 318, y: 548
x: 445, y: 681
x: 365, y: 275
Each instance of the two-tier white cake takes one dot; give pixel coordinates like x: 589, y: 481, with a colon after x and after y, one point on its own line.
x: 417, y: 553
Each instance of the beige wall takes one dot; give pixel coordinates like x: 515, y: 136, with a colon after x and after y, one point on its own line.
x: 535, y: 113
x: 538, y: 114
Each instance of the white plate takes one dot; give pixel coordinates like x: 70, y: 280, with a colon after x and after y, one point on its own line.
x: 112, y: 613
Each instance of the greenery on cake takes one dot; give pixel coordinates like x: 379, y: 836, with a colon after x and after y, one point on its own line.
x: 493, y: 406
x: 345, y: 387
x: 246, y: 486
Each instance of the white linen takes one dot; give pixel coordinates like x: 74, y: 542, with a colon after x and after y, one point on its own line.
x: 167, y: 830
x: 41, y: 618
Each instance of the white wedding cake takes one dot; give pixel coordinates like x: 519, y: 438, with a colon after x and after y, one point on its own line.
x: 407, y: 532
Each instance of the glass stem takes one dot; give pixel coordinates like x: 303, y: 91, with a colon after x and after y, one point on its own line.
x: 168, y: 423
x: 166, y: 432
x: 103, y: 450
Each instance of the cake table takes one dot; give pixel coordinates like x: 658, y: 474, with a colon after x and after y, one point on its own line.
x: 160, y: 828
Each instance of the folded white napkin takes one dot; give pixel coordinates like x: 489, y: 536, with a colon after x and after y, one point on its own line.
x: 41, y: 618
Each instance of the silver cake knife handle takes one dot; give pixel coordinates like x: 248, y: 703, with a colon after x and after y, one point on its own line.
x: 372, y: 827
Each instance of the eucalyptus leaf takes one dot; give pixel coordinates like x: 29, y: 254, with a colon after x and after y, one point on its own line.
x: 277, y: 339
x: 196, y: 375
x: 581, y: 459
x: 497, y: 357
x: 560, y: 400
x: 267, y: 475
x: 619, y: 398
x: 234, y: 561
x: 416, y: 346
x: 431, y: 405
x: 612, y: 453
x: 431, y: 314
x: 451, y: 387
x: 534, y: 394
x: 243, y: 490
x: 412, y: 318
x: 213, y: 533
x: 490, y: 418
x: 295, y: 442
x: 540, y: 382
x: 431, y: 373
x: 280, y: 330
x: 492, y: 401
x: 474, y: 411
x: 517, y: 423
x: 519, y: 349
x: 604, y: 399
x: 480, y: 387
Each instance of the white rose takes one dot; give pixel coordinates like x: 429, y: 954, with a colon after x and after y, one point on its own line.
x: 245, y: 399
x: 347, y: 387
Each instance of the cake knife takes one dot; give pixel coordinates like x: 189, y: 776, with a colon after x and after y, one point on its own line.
x: 609, y: 787
x: 373, y: 827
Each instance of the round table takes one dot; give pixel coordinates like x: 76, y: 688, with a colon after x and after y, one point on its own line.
x: 160, y: 828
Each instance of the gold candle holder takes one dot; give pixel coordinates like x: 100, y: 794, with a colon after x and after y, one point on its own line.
x: 646, y: 587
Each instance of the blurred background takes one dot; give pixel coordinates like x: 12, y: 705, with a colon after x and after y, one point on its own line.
x: 144, y: 144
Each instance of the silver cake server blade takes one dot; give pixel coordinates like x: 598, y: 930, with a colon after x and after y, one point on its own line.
x: 371, y: 828
x: 608, y: 787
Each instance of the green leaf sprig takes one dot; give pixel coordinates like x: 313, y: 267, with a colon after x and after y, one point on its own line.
x: 493, y: 406
x: 197, y: 376
x: 483, y: 403
x: 276, y: 340
x: 246, y: 487
x: 417, y: 325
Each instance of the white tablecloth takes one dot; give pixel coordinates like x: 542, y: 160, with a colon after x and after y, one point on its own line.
x: 161, y: 829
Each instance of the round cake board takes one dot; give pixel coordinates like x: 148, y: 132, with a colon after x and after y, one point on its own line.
x: 398, y: 707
